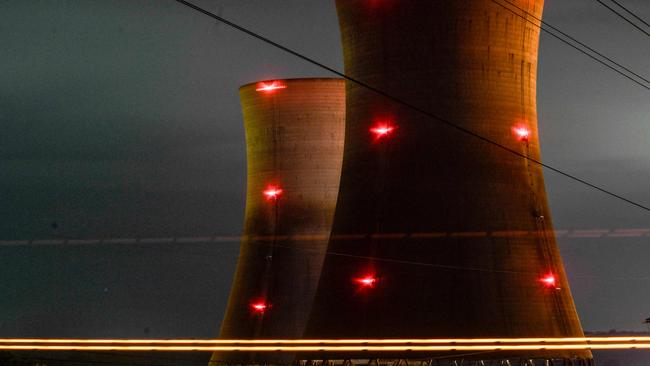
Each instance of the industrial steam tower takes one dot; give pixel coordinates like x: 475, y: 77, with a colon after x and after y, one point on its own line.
x: 440, y: 234
x: 441, y: 228
x: 294, y: 138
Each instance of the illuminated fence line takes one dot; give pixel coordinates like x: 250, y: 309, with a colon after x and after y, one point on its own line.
x: 328, y: 345
x: 588, y: 233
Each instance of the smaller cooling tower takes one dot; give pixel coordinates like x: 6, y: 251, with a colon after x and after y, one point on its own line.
x: 294, y: 138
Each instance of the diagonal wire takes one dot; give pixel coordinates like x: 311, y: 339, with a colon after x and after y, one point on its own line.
x: 630, y: 12
x: 412, y: 106
x: 623, y: 17
x: 591, y: 49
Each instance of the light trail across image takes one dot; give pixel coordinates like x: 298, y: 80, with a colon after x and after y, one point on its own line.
x: 327, y: 345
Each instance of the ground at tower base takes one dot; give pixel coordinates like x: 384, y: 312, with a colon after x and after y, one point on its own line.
x: 31, y: 358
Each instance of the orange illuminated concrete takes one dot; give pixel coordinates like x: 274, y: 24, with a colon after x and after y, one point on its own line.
x: 474, y: 63
x: 294, y: 138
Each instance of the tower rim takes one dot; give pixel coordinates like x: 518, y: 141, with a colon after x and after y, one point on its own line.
x: 290, y: 80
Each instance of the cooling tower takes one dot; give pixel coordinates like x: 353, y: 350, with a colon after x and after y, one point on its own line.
x: 294, y: 139
x: 440, y: 234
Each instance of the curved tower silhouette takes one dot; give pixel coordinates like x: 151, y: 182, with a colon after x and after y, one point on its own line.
x: 441, y: 234
x: 294, y: 138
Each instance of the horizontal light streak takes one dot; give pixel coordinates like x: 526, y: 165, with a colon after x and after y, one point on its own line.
x: 576, y: 234
x: 334, y: 341
x: 407, y: 348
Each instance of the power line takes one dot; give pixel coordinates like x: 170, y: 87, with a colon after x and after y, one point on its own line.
x: 417, y: 109
x: 573, y: 39
x: 414, y: 107
x: 623, y: 17
x: 262, y: 240
x: 446, y: 267
x: 630, y: 12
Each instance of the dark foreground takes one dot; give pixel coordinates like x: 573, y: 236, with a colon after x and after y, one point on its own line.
x: 602, y: 358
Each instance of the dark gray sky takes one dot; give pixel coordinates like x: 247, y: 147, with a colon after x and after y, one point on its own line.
x: 121, y: 119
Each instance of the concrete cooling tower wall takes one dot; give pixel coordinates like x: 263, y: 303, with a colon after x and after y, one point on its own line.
x: 440, y: 234
x: 294, y: 138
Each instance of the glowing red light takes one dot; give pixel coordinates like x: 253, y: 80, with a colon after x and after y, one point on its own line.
x: 272, y: 192
x: 549, y: 280
x: 270, y: 87
x: 367, y: 281
x: 523, y: 133
x: 259, y: 307
x: 382, y: 130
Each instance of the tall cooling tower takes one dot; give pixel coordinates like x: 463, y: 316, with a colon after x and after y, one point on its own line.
x: 439, y: 234
x: 294, y: 138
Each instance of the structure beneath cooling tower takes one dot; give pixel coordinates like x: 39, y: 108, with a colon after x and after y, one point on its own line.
x: 438, y: 233
x: 294, y: 139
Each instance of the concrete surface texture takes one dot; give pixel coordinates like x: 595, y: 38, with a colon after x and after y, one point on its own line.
x: 294, y: 137
x: 415, y: 191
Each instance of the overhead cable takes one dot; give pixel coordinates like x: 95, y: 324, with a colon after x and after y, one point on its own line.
x: 594, y: 53
x: 630, y: 12
x: 416, y: 108
x: 624, y: 17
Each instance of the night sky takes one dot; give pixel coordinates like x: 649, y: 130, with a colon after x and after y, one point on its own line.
x: 121, y: 119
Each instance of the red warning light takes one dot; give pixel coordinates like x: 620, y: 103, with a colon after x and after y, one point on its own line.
x: 522, y: 133
x: 549, y: 281
x: 272, y: 192
x: 382, y: 129
x: 259, y: 307
x: 366, y: 281
x: 269, y: 87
